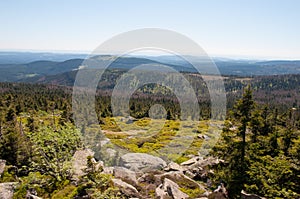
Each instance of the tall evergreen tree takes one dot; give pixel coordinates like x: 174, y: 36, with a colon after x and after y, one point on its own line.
x: 236, y: 172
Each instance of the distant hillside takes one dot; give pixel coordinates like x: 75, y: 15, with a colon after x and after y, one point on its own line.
x: 42, y: 69
x: 16, y: 72
x: 45, y: 69
x: 27, y: 57
x: 244, y: 68
x: 239, y: 67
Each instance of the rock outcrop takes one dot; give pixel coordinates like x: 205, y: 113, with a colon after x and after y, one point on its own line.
x: 127, y: 189
x: 142, y: 162
x: 126, y: 175
x: 7, y: 190
x: 169, y: 189
x: 172, y: 166
x: 144, y: 176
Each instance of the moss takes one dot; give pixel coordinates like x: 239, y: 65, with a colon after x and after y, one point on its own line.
x: 8, y: 175
x: 181, y: 159
x: 192, y: 193
x: 67, y: 192
x: 110, y: 124
x: 143, y: 122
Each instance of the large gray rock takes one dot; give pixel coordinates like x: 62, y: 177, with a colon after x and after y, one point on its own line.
x: 142, y: 162
x: 127, y: 189
x: 7, y: 190
x: 169, y: 189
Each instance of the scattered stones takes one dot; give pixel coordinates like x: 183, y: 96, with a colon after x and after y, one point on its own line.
x: 142, y: 162
x: 165, y: 180
x: 140, y: 175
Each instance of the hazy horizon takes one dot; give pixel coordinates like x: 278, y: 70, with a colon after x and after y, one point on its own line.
x: 214, y: 56
x: 253, y: 30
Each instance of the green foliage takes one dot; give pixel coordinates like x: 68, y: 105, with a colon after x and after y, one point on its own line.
x: 272, y: 177
x: 14, y: 147
x: 9, y: 174
x: 192, y: 193
x: 53, y: 150
x: 43, y: 185
x: 111, y: 193
x: 96, y: 184
x: 110, y: 124
x: 260, y: 153
x: 68, y: 192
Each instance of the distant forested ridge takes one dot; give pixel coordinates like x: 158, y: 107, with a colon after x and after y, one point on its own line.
x: 281, y: 92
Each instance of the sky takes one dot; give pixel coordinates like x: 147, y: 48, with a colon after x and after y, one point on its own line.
x: 268, y: 29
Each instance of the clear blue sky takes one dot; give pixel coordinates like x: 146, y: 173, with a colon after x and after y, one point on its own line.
x: 245, y: 28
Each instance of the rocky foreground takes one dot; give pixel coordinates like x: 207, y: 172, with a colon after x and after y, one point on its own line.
x: 145, y: 176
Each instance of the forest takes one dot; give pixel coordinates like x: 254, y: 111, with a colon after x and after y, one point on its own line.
x: 259, y: 145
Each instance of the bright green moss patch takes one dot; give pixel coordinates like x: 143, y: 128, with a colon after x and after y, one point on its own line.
x: 150, y: 136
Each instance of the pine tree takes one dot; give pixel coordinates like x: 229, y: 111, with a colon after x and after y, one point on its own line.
x: 244, y: 108
x: 238, y: 166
